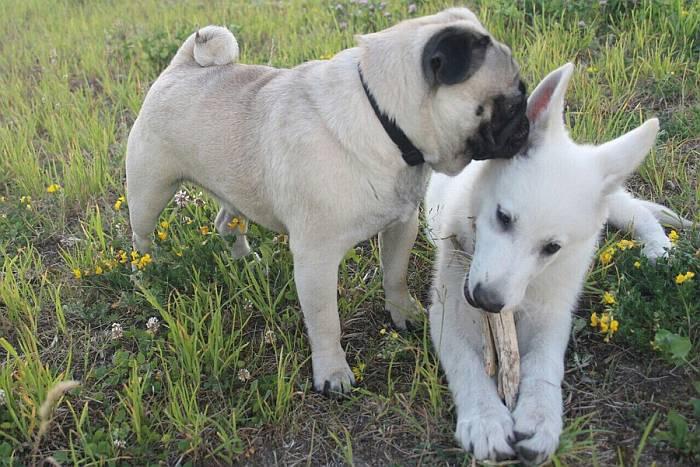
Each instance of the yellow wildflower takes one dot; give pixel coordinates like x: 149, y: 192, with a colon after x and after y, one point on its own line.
x: 162, y: 234
x: 2, y: 199
x: 681, y: 278
x: 592, y: 69
x: 594, y: 319
x: 204, y: 230
x: 326, y: 56
x: 134, y: 255
x: 98, y: 270
x: 77, y: 273
x: 359, y: 371
x: 626, y: 244
x: 673, y: 236
x: 144, y: 261
x: 614, y: 325
x: 637, y: 264
x: 165, y: 225
x: 118, y: 203
x: 394, y: 335
x: 237, y: 223
x: 606, y: 257
x: 25, y: 199
x: 178, y: 253
x: 53, y: 188
x: 608, y: 298
x: 604, y: 323
x: 122, y: 257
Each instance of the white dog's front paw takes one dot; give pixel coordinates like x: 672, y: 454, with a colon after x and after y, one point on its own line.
x: 332, y: 375
x: 537, y: 429
x: 488, y: 435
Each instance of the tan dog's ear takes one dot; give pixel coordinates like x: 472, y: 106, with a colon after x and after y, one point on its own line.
x: 453, y: 55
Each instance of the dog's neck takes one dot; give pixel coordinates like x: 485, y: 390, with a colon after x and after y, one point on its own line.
x: 409, y: 152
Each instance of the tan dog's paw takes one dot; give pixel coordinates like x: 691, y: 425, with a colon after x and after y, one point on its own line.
x: 406, y: 314
x: 240, y: 247
x: 332, y: 375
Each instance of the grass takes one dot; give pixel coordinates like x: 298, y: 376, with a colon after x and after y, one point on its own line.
x: 225, y: 377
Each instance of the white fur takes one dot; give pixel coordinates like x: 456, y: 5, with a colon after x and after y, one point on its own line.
x: 300, y: 150
x: 559, y: 192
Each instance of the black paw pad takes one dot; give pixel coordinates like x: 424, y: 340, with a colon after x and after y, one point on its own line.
x: 527, y: 455
x: 520, y: 436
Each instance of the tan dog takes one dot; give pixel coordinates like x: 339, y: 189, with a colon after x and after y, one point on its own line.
x: 332, y: 152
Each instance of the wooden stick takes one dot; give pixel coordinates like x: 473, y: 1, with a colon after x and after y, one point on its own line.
x: 499, y: 328
x: 490, y: 357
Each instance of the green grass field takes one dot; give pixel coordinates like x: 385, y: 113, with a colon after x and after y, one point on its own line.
x: 222, y: 374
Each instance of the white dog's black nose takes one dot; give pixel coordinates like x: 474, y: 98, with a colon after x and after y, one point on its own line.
x: 487, y: 299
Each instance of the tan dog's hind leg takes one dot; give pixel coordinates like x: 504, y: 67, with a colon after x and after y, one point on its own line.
x: 149, y: 187
x: 395, y: 245
x: 229, y: 223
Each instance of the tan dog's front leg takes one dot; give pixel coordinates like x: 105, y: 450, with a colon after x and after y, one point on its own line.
x: 395, y: 245
x: 316, y: 277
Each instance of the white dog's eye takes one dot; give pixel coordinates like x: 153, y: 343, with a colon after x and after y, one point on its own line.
x: 503, y: 218
x: 551, y: 248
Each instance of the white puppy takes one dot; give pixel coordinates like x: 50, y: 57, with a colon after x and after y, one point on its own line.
x: 332, y: 152
x: 520, y: 234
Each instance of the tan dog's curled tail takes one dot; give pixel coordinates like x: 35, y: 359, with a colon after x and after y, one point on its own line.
x: 209, y: 46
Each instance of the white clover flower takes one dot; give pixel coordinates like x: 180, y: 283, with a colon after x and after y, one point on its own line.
x: 181, y: 199
x: 412, y: 8
x: 119, y: 443
x: 152, y: 325
x: 117, y: 331
x: 244, y: 375
x: 270, y: 337
x: 2, y: 397
x: 199, y: 200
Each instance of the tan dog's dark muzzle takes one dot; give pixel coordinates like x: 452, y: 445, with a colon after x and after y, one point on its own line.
x: 507, y: 131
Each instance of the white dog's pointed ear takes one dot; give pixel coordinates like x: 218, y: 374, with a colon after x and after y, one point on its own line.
x: 545, y: 105
x: 620, y: 157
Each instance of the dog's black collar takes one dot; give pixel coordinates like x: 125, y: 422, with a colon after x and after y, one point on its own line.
x: 411, y: 154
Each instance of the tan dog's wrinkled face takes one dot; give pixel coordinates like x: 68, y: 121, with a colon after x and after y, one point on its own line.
x: 453, y: 88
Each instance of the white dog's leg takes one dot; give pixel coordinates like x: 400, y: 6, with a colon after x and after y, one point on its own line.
x: 626, y: 212
x: 225, y: 228
x: 316, y: 276
x: 395, y: 245
x: 484, y: 423
x: 538, y: 414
